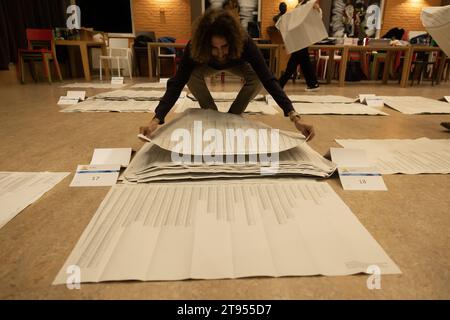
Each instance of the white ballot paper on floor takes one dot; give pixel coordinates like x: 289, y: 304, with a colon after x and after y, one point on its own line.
x: 437, y: 22
x: 99, y: 175
x: 20, y: 189
x: 224, y: 229
x: 301, y: 27
x: 120, y: 156
x: 355, y: 170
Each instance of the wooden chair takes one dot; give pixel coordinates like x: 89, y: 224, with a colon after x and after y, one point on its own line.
x: 41, y: 47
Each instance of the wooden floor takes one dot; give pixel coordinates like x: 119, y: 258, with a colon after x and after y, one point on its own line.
x: 411, y: 221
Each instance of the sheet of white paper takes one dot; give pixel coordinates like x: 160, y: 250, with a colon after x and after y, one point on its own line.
x: 301, y: 27
x: 99, y: 105
x: 336, y: 108
x: 437, y: 22
x: 20, y: 189
x: 141, y: 136
x: 225, y: 229
x: 355, y: 171
x: 447, y: 98
x: 415, y: 104
x: 406, y: 156
x: 95, y: 175
x: 113, y: 156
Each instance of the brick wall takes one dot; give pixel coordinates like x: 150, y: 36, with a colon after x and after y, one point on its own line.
x: 405, y: 14
x: 173, y: 17
x: 164, y: 17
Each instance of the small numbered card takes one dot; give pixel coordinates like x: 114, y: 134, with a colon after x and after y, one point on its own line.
x: 375, y: 102
x: 72, y: 97
x: 95, y: 175
x: 363, y: 96
x: 355, y: 171
x: 117, y: 80
x: 447, y: 98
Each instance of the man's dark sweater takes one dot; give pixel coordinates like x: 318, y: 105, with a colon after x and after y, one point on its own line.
x: 250, y: 54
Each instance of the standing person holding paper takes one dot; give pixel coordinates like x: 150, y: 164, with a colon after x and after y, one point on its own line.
x: 301, y: 57
x: 219, y: 44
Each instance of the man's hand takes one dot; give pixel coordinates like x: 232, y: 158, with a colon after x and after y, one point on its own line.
x: 305, y: 129
x: 148, y: 130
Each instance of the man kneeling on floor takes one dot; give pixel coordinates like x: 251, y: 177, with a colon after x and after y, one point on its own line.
x: 219, y: 44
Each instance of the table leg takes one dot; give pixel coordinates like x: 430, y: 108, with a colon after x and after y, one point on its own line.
x: 105, y: 61
x: 440, y: 70
x: 343, y: 68
x: 150, y: 63
x: 406, y: 67
x: 330, y: 70
x: 85, y: 61
x: 387, y: 66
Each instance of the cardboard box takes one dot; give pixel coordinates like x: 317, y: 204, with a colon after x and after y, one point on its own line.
x: 301, y: 27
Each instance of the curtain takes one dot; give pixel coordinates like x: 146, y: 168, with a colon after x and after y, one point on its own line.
x: 18, y: 15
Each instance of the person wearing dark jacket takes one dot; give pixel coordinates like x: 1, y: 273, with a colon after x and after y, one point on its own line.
x: 301, y: 57
x: 219, y: 43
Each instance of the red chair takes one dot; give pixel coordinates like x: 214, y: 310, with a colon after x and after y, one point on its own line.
x: 41, y: 47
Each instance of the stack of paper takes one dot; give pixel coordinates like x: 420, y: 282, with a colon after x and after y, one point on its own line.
x: 320, y: 98
x: 97, y: 105
x: 137, y: 95
x: 152, y: 85
x: 336, y: 108
x: 183, y: 149
x: 224, y: 230
x: 416, y: 105
x: 20, y: 189
x: 392, y: 156
x: 93, y: 85
x: 153, y: 163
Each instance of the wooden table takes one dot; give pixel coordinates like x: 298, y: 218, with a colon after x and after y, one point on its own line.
x: 389, y: 54
x: 331, y: 49
x: 417, y: 48
x: 84, y: 45
x: 273, y: 59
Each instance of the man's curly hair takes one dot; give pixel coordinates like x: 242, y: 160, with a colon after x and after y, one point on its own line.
x: 220, y: 23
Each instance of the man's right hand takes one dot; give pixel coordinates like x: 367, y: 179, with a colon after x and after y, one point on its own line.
x: 148, y: 130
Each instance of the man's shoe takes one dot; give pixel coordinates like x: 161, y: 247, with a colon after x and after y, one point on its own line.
x: 313, y: 88
x: 446, y: 125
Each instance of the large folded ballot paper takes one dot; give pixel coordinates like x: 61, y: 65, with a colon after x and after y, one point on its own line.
x: 437, y: 22
x: 301, y: 27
